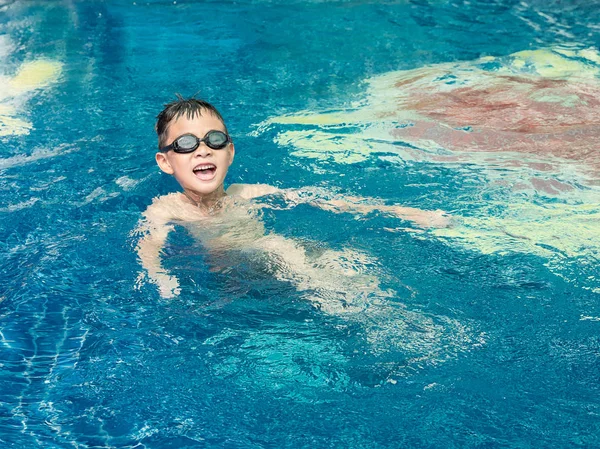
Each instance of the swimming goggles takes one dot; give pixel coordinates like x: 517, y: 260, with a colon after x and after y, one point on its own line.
x: 216, y: 140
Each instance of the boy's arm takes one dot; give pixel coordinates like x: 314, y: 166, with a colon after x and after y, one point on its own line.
x: 155, y: 230
x: 324, y: 199
x: 249, y: 191
x: 358, y: 205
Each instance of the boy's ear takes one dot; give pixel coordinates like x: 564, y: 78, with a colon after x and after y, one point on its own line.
x: 163, y: 163
x: 231, y: 153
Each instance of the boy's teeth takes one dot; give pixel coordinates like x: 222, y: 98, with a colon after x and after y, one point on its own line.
x: 204, y: 167
x: 205, y: 172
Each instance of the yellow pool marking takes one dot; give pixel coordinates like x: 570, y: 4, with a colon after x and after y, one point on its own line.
x: 30, y: 76
x: 36, y: 74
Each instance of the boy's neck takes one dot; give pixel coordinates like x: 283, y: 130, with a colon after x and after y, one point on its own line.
x: 205, y: 202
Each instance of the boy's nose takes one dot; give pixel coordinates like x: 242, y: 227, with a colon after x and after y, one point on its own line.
x: 202, y: 150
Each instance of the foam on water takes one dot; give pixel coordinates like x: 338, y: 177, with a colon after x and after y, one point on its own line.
x: 36, y: 155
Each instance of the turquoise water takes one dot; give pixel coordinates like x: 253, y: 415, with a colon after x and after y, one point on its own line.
x: 485, y: 335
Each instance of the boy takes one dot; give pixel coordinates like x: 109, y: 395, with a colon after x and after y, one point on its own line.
x: 195, y: 148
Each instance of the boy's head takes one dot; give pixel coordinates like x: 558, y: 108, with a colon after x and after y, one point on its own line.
x: 189, y: 107
x: 194, y: 146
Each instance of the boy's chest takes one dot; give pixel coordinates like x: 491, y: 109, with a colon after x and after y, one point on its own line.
x: 234, y: 228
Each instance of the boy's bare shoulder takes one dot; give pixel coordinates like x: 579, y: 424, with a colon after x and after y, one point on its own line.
x: 165, y: 208
x: 249, y: 191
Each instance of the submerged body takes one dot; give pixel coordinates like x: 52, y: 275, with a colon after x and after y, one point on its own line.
x: 344, y: 283
x: 338, y: 281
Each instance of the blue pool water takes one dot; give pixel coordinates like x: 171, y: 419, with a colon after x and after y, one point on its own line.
x: 484, y: 336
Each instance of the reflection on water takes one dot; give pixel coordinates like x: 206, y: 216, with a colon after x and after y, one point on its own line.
x: 531, y: 102
x: 530, y: 121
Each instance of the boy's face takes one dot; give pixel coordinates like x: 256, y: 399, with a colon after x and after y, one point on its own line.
x: 202, y: 171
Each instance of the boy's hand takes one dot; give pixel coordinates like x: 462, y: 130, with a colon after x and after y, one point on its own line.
x: 423, y: 218
x: 168, y: 286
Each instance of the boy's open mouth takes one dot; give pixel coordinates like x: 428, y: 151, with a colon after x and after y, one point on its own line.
x: 205, y: 172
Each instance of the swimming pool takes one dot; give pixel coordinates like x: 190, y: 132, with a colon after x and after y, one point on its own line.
x: 487, y: 335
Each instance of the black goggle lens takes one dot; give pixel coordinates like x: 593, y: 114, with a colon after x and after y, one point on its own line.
x: 187, y: 143
x: 216, y: 140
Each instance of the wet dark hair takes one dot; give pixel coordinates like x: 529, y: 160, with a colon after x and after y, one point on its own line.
x: 190, y: 107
